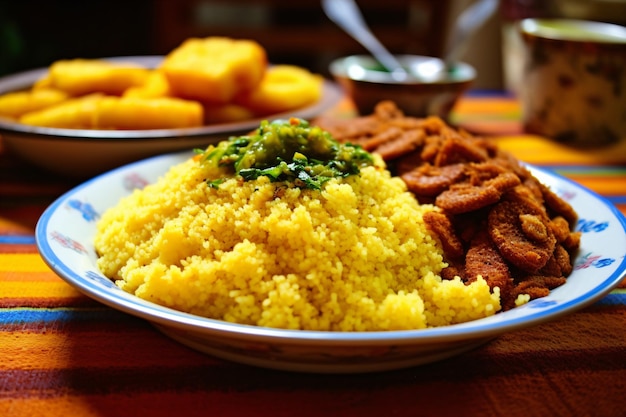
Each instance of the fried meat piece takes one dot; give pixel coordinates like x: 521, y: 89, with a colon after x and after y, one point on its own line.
x: 387, y: 131
x: 530, y: 249
x: 408, y: 162
x: 431, y: 147
x: 456, y: 148
x: 478, y: 173
x: 537, y: 286
x: 410, y: 123
x: 441, y: 225
x: 354, y: 130
x: 533, y: 227
x: 428, y: 180
x: 560, y: 227
x: 533, y: 186
x: 484, y: 259
x: 572, y: 243
x: 406, y: 142
x: 453, y: 270
x: 559, y: 264
x: 465, y: 197
x: 510, y: 163
x: 557, y: 205
x: 467, y: 225
x: 387, y: 110
x: 371, y: 143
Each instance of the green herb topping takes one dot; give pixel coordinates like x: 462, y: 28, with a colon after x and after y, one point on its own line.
x: 287, y: 151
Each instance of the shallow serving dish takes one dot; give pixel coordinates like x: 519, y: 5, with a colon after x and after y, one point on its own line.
x: 82, y: 153
x: 66, y: 229
x: 429, y: 90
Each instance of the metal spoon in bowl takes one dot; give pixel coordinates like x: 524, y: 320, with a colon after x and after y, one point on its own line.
x: 346, y: 14
x: 472, y: 18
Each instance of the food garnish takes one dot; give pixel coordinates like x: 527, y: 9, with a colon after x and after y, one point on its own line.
x: 287, y: 150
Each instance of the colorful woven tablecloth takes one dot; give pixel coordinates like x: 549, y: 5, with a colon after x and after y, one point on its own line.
x: 62, y: 354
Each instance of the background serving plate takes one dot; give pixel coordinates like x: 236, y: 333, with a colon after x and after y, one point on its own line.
x: 66, y: 229
x: 82, y: 153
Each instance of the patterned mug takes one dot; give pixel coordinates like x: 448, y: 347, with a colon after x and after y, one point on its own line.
x: 574, y: 81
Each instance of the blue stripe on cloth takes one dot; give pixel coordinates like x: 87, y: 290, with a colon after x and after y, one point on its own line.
x: 16, y: 316
x: 17, y: 239
x: 613, y: 299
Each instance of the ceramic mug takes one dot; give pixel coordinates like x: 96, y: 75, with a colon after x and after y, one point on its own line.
x: 574, y: 81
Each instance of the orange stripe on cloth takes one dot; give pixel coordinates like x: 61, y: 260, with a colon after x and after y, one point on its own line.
x: 488, y: 107
x: 604, y: 185
x: 39, y: 276
x: 74, y: 406
x: 11, y: 227
x: 487, y: 115
x: 29, y: 289
x: 538, y: 150
x: 17, y: 248
x: 133, y: 343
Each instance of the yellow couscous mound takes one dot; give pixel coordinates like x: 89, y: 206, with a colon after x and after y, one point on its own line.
x: 353, y: 256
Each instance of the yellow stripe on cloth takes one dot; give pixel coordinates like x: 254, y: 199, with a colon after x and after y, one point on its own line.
x: 487, y: 108
x: 22, y: 262
x: 538, y: 150
x: 36, y: 279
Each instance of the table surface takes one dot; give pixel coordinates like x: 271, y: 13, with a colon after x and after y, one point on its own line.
x: 62, y: 354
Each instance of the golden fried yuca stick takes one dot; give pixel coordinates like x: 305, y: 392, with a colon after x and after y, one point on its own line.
x: 84, y: 76
x: 284, y: 87
x: 19, y: 103
x: 155, y: 85
x: 74, y: 113
x: 214, y: 69
x: 43, y: 83
x: 147, y: 113
x: 111, y: 112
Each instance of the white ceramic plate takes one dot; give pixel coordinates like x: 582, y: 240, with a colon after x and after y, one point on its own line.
x: 82, y: 153
x: 66, y: 229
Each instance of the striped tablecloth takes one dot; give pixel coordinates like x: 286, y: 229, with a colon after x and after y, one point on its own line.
x: 62, y: 354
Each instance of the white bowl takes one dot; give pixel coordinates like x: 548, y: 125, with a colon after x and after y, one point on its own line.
x: 66, y: 230
x: 82, y: 153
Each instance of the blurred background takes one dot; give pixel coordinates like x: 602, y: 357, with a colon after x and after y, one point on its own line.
x: 34, y: 33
